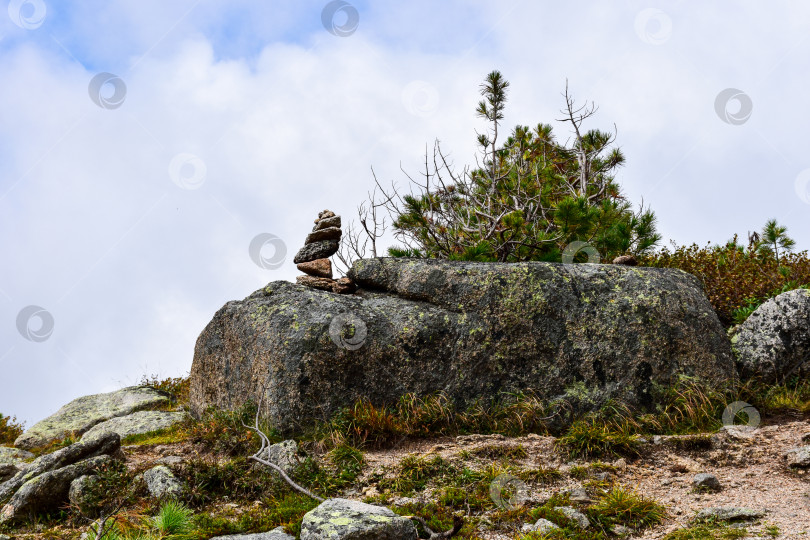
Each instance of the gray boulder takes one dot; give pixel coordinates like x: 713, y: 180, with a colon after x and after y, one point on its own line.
x: 47, y: 491
x: 774, y: 342
x: 580, y: 332
x: 282, y: 454
x: 344, y: 519
x: 276, y: 534
x: 85, y: 412
x: 161, y: 482
x: 137, y: 423
x: 79, y: 489
x: 798, y: 458
x: 107, y: 444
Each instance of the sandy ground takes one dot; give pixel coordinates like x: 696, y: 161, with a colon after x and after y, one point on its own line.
x: 750, y: 466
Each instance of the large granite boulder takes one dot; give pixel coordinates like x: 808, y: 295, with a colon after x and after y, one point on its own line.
x: 774, y: 342
x: 344, y: 519
x: 580, y: 332
x: 85, y: 412
x: 137, y: 423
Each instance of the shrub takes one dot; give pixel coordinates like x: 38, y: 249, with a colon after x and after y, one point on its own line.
x: 176, y: 386
x: 9, y: 429
x: 736, y: 280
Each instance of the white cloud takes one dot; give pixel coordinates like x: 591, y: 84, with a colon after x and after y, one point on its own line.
x: 132, y: 266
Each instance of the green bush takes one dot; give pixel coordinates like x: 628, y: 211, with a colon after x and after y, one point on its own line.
x: 736, y: 280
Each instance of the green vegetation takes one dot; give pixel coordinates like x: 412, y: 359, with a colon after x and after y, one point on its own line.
x: 10, y: 429
x: 737, y: 279
x: 527, y: 198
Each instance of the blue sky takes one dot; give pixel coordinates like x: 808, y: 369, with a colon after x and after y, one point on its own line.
x: 282, y: 119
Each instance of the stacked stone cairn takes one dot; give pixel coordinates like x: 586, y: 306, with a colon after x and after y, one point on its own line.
x: 313, y: 258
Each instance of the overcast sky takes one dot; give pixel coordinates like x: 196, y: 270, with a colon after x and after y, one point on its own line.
x: 144, y: 144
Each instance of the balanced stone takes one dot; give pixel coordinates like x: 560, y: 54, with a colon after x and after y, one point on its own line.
x: 326, y: 223
x: 324, y: 284
x: 344, y: 285
x: 318, y: 268
x: 329, y: 233
x: 316, y: 250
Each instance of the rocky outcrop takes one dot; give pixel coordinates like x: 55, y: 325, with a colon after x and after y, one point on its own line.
x: 580, y: 332
x: 774, y: 342
x: 12, y: 460
x: 137, y: 423
x: 85, y: 412
x: 107, y: 444
x: 344, y: 519
x: 47, y: 491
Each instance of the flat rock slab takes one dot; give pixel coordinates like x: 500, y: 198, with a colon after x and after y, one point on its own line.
x: 582, y: 333
x: 730, y: 513
x: 13, y: 455
x: 85, y: 412
x: 137, y: 423
x: 276, y: 534
x: 344, y: 519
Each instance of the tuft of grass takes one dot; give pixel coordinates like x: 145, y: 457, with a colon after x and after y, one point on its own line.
x: 496, y: 451
x: 630, y: 509
x: 707, y: 531
x: 416, y: 471
x: 594, y: 437
x: 173, y: 520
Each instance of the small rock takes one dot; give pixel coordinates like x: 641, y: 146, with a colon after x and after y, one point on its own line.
x: 806, y: 438
x: 276, y: 534
x: 543, y: 526
x: 324, y: 284
x: 620, y: 464
x: 730, y: 513
x: 579, y: 495
x: 601, y: 476
x: 621, y: 530
x: 326, y: 214
x: 706, y: 482
x: 575, y: 515
x: 318, y: 268
x: 161, y: 482
x: 171, y: 461
x: 283, y: 454
x: 344, y: 519
x: 626, y: 260
x: 344, y: 285
x: 798, y: 458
